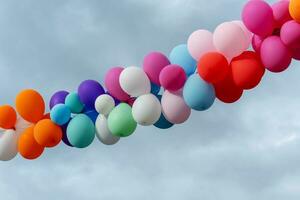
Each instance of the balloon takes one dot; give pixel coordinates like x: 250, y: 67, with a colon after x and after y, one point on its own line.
x: 47, y: 133
x: 247, y: 70
x: 257, y: 16
x: 198, y: 94
x: 131, y: 101
x: 30, y: 105
x: 134, y: 81
x: 256, y: 43
x: 199, y: 43
x: 153, y: 63
x: 290, y: 34
x: 294, y: 9
x: 181, y: 56
x: 296, y: 53
x: 163, y: 123
x: 120, y: 121
x: 64, y: 134
x: 81, y: 131
x: 27, y: 146
x: 88, y: 92
x: 174, y: 107
x: 146, y: 110
x: 21, y: 125
x: 155, y: 89
x: 104, y: 104
x: 8, y: 145
x: 103, y: 133
x: 92, y: 114
x: 275, y: 56
x: 58, y: 98
x: 8, y: 117
x: 281, y: 12
x: 60, y: 114
x: 230, y: 39
x: 74, y: 103
x: 227, y: 91
x: 213, y: 67
x: 172, y: 77
x: 247, y: 33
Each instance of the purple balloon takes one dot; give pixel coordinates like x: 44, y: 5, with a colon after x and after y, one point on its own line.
x: 58, y: 98
x: 88, y: 92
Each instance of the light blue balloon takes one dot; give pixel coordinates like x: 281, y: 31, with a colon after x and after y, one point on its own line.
x: 81, y: 131
x: 60, y: 114
x: 181, y: 56
x: 198, y: 94
x: 74, y: 103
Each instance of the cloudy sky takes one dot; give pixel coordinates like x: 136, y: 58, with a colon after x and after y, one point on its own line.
x: 248, y: 150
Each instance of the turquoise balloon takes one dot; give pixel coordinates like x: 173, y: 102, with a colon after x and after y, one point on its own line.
x: 120, y: 121
x: 74, y: 103
x: 162, y: 123
x: 198, y: 94
x: 60, y: 114
x: 181, y: 56
x: 81, y: 131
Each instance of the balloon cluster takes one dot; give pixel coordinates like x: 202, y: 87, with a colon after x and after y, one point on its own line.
x: 164, y: 91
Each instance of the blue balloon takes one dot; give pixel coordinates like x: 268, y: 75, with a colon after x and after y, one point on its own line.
x: 60, y: 114
x: 162, y: 123
x: 92, y: 114
x: 155, y: 89
x: 198, y: 94
x: 181, y: 56
x: 74, y: 103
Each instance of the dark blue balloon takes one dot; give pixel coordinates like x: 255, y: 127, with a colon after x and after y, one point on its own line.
x: 92, y: 114
x: 162, y: 123
x: 64, y: 136
x: 155, y: 89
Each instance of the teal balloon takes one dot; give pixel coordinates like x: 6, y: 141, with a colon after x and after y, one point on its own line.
x: 198, y: 94
x: 181, y: 56
x: 74, y: 103
x: 60, y: 114
x: 120, y: 121
x: 155, y: 89
x: 162, y: 123
x: 81, y: 131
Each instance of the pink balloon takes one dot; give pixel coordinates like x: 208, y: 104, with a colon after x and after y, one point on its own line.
x: 172, y: 77
x: 174, y: 108
x: 275, y: 56
x: 153, y: 64
x: 199, y: 43
x: 247, y: 33
x: 230, y: 39
x: 281, y: 12
x: 290, y: 34
x: 256, y: 42
x: 257, y: 15
x: 112, y: 84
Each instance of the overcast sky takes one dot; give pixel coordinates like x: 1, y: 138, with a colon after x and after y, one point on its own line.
x: 245, y: 151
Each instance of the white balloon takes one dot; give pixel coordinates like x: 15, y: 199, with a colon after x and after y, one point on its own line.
x: 104, y: 104
x: 134, y: 81
x: 21, y: 125
x: 8, y: 145
x: 230, y: 39
x: 247, y: 33
x: 146, y: 110
x: 103, y: 133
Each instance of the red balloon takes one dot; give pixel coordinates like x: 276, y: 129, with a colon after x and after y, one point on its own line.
x: 247, y: 70
x: 213, y: 67
x: 227, y: 91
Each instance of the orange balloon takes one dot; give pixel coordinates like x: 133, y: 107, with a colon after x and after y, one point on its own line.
x: 247, y: 70
x: 227, y: 91
x: 27, y: 145
x: 47, y: 133
x: 30, y: 105
x: 8, y: 117
x: 295, y: 10
x: 213, y: 67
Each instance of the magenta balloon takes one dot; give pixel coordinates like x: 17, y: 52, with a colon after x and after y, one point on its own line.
x: 281, y: 12
x: 290, y: 34
x: 296, y: 53
x: 113, y: 86
x: 275, y: 56
x: 153, y: 64
x: 258, y: 17
x: 172, y: 77
x: 256, y: 42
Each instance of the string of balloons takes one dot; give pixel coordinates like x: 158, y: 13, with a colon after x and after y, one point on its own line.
x: 164, y: 90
